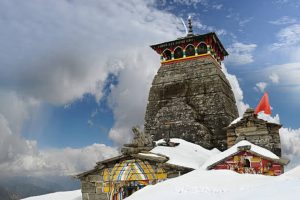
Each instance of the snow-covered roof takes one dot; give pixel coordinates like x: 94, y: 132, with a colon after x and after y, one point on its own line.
x: 150, y: 155
x: 235, y: 121
x: 186, y: 154
x: 268, y: 118
x: 234, y: 149
x: 261, y: 115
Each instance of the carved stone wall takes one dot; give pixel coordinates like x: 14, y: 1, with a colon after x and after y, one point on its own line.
x: 192, y: 100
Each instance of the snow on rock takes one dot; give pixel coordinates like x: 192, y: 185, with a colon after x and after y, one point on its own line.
x: 234, y: 149
x: 235, y: 121
x: 221, y: 184
x: 70, y: 195
x: 150, y: 155
x: 268, y: 118
x: 263, y: 116
x: 185, y: 154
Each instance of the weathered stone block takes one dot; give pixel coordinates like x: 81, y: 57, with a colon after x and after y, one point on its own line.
x: 95, y: 178
x: 100, y: 196
x: 88, y: 187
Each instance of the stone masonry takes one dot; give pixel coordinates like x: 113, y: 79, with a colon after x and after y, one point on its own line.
x: 192, y: 100
x: 256, y: 131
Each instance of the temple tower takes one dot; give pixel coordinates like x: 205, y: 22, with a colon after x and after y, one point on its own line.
x: 190, y: 97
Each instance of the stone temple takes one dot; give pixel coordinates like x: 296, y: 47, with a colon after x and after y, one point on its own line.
x: 190, y: 97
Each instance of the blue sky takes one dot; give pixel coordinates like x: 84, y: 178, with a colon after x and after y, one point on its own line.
x: 76, y: 74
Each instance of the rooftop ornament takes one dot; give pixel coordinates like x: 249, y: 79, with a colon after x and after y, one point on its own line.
x: 190, y: 31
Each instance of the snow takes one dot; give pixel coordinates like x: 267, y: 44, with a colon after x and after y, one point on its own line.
x: 268, y: 118
x: 185, y: 154
x: 208, y: 184
x: 221, y: 184
x: 70, y: 195
x: 211, y: 185
x: 150, y: 155
x: 254, y: 148
x: 295, y: 173
x: 235, y: 121
x: 263, y: 116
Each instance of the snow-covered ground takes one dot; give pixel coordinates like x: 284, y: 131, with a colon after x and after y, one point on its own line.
x: 211, y: 185
x: 223, y: 185
x: 70, y: 195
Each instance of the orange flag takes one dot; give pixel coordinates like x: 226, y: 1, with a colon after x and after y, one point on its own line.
x: 264, y: 105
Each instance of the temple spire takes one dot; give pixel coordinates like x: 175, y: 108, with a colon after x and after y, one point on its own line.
x: 190, y: 27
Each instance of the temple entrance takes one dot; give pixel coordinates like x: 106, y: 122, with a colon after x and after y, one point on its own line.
x: 126, y: 189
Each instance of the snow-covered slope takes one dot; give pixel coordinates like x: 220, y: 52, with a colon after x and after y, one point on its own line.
x: 222, y: 184
x: 294, y: 173
x: 211, y: 185
x: 70, y: 195
x: 185, y: 154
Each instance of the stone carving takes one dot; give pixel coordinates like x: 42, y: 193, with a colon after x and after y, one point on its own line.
x: 140, y: 142
x: 141, y: 139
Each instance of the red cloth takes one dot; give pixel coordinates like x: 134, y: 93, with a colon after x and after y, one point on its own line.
x: 264, y: 105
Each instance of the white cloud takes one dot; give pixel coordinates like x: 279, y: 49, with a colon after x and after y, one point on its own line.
x: 12, y: 145
x: 287, y: 37
x: 64, y: 49
x: 240, y: 54
x: 19, y: 156
x: 242, y: 22
x: 274, y: 78
x: 261, y: 86
x: 290, y: 142
x: 203, y: 27
x: 289, y: 77
x: 67, y: 161
x: 283, y: 21
x: 191, y: 2
x: 217, y: 6
x: 129, y: 98
x: 237, y: 91
x: 16, y: 109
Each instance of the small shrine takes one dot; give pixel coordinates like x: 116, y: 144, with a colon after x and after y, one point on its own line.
x: 255, y: 130
x: 118, y: 177
x: 245, y: 157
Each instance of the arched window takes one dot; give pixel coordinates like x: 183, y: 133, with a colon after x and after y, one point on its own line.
x: 202, y: 48
x: 167, y: 54
x: 178, y: 53
x: 189, y: 50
